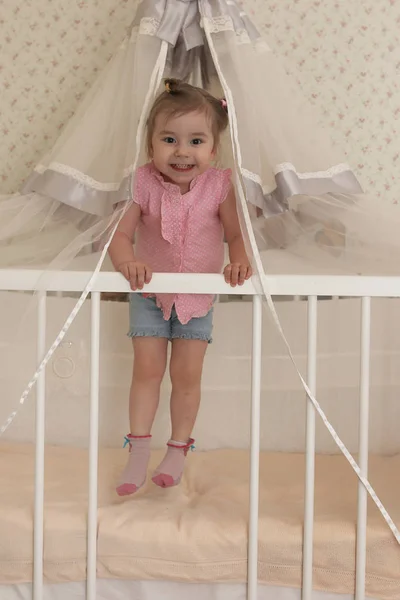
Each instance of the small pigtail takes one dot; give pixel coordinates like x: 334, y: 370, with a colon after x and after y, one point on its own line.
x: 171, y: 86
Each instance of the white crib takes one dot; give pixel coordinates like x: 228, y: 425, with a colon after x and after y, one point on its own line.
x: 304, y: 317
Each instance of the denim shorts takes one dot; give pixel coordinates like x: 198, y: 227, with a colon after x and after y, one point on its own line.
x: 146, y: 319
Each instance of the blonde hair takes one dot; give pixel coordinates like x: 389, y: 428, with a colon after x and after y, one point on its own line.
x: 180, y: 98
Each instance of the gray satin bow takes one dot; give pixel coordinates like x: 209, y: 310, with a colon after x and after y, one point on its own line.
x: 181, y: 17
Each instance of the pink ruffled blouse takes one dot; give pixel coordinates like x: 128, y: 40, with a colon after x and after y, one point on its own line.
x: 181, y: 233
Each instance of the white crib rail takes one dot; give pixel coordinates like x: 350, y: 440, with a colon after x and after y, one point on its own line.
x: 93, y: 446
x: 252, y: 577
x: 363, y: 447
x: 310, y: 451
x: 309, y: 287
x: 38, y: 515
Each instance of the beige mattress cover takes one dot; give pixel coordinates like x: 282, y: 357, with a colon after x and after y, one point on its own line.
x: 197, y: 531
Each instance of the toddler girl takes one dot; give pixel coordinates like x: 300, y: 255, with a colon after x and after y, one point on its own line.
x: 182, y: 210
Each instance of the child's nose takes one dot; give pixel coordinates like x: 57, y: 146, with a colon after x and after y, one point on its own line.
x: 181, y: 150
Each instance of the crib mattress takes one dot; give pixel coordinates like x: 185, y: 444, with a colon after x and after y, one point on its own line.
x: 197, y: 531
x: 116, y: 589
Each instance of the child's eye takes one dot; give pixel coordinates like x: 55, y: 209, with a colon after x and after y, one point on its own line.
x: 197, y: 142
x: 169, y: 140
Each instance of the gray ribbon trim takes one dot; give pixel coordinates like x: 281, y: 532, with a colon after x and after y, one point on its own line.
x: 82, y: 197
x: 288, y: 184
x: 67, y: 190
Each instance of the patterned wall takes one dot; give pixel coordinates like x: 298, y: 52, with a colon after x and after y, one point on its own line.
x: 345, y: 54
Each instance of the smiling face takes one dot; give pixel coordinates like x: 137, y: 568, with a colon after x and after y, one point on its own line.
x: 182, y: 147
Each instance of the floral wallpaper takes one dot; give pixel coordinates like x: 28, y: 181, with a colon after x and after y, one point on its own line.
x: 345, y: 55
x: 51, y: 51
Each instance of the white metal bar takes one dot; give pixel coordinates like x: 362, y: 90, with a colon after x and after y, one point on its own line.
x: 38, y: 519
x: 363, y: 447
x: 93, y: 446
x: 204, y: 283
x: 252, y: 575
x: 76, y: 281
x: 308, y: 535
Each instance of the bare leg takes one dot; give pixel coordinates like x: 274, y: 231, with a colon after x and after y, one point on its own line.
x: 186, y: 369
x: 148, y: 371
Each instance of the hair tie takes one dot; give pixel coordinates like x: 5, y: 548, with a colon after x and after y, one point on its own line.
x: 167, y: 87
x: 224, y: 104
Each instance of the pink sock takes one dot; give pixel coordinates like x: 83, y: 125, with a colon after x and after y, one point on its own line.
x: 170, y: 470
x: 134, y: 474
